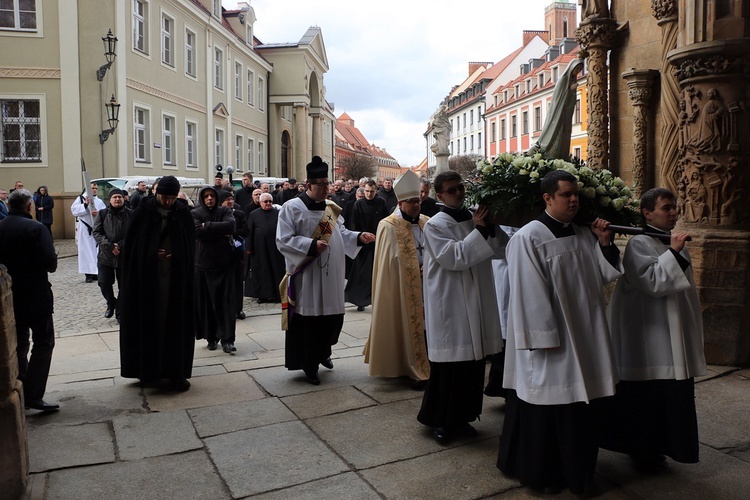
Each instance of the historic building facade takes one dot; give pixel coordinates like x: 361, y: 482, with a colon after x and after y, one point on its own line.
x: 192, y: 86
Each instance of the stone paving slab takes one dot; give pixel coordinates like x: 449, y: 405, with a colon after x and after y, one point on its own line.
x: 107, y: 360
x: 271, y: 457
x: 269, y: 339
x: 232, y: 417
x: 51, y: 447
x: 347, y: 485
x: 91, y: 405
x: 459, y: 473
x: 187, y: 475
x: 255, y: 364
x: 206, y: 391
x: 349, y: 341
x: 66, y: 378
x: 358, y: 435
x: 716, y: 476
x: 154, y: 434
x: 327, y: 402
x: 279, y: 381
x: 112, y: 339
x: 359, y: 329
x: 74, y: 347
x: 388, y: 390
x: 724, y: 419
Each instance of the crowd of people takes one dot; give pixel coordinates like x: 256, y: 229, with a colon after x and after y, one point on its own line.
x: 451, y: 291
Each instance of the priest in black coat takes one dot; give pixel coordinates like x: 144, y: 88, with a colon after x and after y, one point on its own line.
x: 366, y: 215
x: 157, y: 324
x: 266, y: 261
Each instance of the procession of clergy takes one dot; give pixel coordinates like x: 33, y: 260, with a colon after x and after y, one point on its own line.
x: 577, y: 375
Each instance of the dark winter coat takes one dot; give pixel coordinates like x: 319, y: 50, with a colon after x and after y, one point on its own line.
x: 46, y: 202
x: 27, y: 251
x: 157, y: 325
x: 390, y: 198
x: 110, y: 227
x: 214, y: 228
x: 243, y: 197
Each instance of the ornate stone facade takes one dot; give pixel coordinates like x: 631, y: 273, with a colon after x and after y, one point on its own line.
x: 640, y: 83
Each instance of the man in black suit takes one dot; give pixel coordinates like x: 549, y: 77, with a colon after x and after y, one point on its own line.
x: 428, y: 206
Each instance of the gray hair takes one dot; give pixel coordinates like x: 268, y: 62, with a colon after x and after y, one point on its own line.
x: 19, y: 199
x: 266, y: 196
x: 425, y: 181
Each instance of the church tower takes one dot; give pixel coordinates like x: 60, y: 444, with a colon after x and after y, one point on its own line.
x: 560, y: 20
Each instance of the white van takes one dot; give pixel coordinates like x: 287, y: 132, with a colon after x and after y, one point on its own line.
x: 191, y: 186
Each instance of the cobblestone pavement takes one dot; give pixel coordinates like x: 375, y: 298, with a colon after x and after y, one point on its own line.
x: 79, y: 306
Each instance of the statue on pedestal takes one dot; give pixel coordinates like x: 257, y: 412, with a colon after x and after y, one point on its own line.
x: 441, y: 131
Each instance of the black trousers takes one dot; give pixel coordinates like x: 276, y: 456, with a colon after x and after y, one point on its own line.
x: 34, y: 372
x: 107, y: 277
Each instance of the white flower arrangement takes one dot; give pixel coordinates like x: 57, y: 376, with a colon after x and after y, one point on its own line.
x: 510, y: 184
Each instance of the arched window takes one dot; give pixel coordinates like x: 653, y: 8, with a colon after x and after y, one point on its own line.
x: 565, y: 27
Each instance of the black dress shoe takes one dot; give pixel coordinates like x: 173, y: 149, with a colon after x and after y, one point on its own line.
x: 360, y: 308
x: 465, y: 429
x: 109, y: 313
x: 179, y: 384
x: 418, y: 385
x: 327, y: 363
x: 88, y: 279
x: 312, y: 377
x: 241, y: 315
x: 442, y: 435
x: 41, y: 405
x: 228, y: 347
x: 212, y: 344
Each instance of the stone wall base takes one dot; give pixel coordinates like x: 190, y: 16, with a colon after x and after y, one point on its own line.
x: 14, y: 459
x: 721, y: 264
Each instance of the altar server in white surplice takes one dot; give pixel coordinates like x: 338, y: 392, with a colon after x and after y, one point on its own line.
x: 87, y: 249
x: 313, y: 240
x: 559, y: 364
x: 463, y: 324
x: 657, y: 334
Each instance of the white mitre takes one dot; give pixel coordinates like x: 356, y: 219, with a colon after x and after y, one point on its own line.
x: 406, y: 186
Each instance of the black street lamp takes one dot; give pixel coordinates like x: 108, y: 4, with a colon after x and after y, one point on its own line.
x: 113, y: 113
x: 110, y: 43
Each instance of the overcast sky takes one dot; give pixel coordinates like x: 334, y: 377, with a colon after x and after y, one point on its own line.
x: 393, y: 61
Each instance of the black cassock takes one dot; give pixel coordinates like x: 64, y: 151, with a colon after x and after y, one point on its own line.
x: 266, y: 262
x: 365, y: 216
x: 157, y: 324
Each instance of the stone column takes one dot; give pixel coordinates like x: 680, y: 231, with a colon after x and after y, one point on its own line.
x: 665, y: 11
x: 299, y: 153
x: 596, y: 36
x: 712, y: 171
x: 640, y: 83
x: 441, y: 162
x: 14, y: 459
x: 317, y: 134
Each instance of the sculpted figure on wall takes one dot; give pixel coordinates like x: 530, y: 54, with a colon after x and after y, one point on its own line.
x: 713, y: 133
x: 696, y: 198
x: 594, y: 9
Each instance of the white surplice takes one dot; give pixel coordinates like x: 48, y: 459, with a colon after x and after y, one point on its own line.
x: 87, y: 253
x: 558, y: 347
x: 655, y: 315
x: 461, y: 314
x: 320, y: 287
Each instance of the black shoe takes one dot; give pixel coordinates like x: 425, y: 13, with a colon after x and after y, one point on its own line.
x: 327, y: 363
x: 241, y: 315
x: 442, y: 435
x: 41, y: 405
x: 212, y: 344
x: 312, y: 377
x: 179, y: 384
x: 360, y: 308
x: 109, y: 313
x: 228, y: 347
x: 465, y: 429
x: 418, y: 385
x: 89, y: 279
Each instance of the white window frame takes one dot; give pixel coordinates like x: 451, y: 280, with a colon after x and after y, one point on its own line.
x: 217, y: 8
x: 261, y: 94
x: 140, y: 27
x: 250, y: 87
x: 143, y: 128
x: 219, y: 146
x: 42, y: 121
x: 261, y: 158
x: 190, y: 52
x: 167, y: 40
x: 168, y: 151
x: 250, y: 155
x: 191, y: 145
x: 218, y: 68
x: 239, y: 146
x: 238, y: 80
x: 17, y: 18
